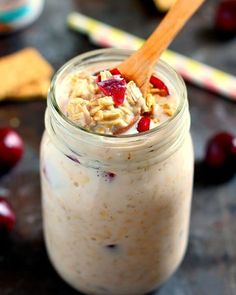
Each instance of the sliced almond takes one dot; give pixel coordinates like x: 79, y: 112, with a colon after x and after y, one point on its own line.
x: 169, y: 112
x: 105, y: 101
x: 150, y: 100
x: 111, y: 115
x: 98, y: 116
x: 79, y: 100
x: 168, y: 109
x: 116, y: 122
x: 94, y: 110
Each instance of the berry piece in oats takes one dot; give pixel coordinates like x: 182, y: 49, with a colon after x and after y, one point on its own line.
x: 109, y: 176
x: 144, y: 124
x: 98, y: 78
x: 115, y: 71
x: 11, y: 147
x: 7, y: 216
x: 157, y: 83
x: 114, y: 87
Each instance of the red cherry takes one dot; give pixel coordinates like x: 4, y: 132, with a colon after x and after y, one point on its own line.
x: 98, y: 78
x: 225, y: 19
x: 114, y: 87
x: 7, y: 215
x: 144, y: 124
x: 115, y: 71
x: 219, y: 149
x: 157, y: 83
x: 215, y: 155
x: 225, y: 139
x: 11, y: 147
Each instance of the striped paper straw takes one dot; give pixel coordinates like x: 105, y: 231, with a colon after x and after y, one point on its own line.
x: 191, y: 70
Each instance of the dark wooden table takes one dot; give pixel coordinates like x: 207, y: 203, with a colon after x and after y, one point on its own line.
x: 209, y: 267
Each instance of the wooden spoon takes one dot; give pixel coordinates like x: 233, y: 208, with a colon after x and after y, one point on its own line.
x: 139, y: 66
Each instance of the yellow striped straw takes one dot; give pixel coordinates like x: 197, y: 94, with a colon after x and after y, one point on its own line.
x: 191, y: 70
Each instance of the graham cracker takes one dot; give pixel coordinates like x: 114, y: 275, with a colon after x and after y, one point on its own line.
x: 21, y: 69
x: 29, y: 91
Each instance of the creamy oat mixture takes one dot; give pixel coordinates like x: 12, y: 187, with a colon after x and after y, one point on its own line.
x: 106, y: 103
x: 113, y: 223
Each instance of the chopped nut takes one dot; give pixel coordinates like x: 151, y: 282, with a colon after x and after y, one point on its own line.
x: 111, y: 115
x: 105, y: 75
x: 94, y: 102
x: 77, y: 116
x: 93, y: 88
x: 170, y: 112
x: 156, y: 120
x: 110, y: 108
x: 94, y: 110
x: 168, y: 109
x: 116, y: 122
x: 105, y: 101
x: 165, y: 106
x: 98, y: 116
x: 155, y: 90
x: 151, y: 102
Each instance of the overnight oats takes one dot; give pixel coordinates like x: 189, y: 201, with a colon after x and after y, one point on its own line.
x: 116, y: 173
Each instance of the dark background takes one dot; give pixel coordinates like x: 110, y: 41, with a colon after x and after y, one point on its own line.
x: 209, y: 267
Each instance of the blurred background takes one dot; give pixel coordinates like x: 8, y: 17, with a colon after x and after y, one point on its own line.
x: 209, y: 266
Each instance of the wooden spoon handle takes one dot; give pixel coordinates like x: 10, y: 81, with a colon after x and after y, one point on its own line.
x: 169, y: 27
x: 140, y: 64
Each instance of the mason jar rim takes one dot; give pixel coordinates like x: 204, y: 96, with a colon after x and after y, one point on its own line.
x: 52, y: 101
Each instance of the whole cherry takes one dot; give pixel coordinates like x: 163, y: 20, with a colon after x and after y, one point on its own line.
x: 225, y: 18
x: 7, y: 216
x: 220, y: 149
x: 11, y: 148
x: 143, y: 124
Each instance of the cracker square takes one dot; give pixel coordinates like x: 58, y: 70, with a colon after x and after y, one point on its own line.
x: 22, y: 68
x: 31, y: 90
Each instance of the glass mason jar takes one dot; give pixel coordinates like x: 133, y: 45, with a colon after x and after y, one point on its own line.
x: 115, y: 209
